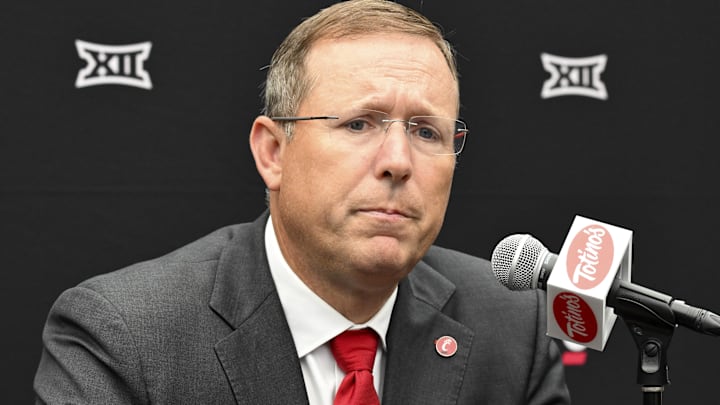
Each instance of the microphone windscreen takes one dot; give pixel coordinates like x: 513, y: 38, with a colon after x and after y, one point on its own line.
x: 516, y: 260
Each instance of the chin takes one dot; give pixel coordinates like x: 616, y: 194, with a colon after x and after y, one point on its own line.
x: 383, y: 254
x: 395, y: 265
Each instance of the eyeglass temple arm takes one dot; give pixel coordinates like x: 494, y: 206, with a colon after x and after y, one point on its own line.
x: 314, y: 117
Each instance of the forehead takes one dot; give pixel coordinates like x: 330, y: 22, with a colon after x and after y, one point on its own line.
x: 381, y: 70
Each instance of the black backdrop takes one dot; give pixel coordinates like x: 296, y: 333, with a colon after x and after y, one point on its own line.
x: 95, y: 178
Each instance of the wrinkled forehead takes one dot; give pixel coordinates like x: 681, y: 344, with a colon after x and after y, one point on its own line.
x: 383, y: 72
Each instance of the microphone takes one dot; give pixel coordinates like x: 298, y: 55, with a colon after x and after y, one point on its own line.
x: 521, y: 262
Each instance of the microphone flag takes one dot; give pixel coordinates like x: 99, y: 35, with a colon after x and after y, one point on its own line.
x: 593, y: 255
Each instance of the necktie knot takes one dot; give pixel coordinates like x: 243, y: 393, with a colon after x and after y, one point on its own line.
x: 354, y: 351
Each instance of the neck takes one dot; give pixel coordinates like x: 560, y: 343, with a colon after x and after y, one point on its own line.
x: 356, y: 293
x: 357, y: 306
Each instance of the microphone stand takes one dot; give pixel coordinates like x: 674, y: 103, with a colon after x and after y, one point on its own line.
x: 651, y: 325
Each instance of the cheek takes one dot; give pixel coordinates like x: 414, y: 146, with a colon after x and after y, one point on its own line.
x: 437, y: 184
x: 317, y: 183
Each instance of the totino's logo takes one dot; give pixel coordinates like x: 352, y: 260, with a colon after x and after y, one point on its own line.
x: 574, y: 76
x: 590, y: 256
x: 574, y: 317
x: 113, y: 64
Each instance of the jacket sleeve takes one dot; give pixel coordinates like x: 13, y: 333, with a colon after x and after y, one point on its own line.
x: 547, y: 376
x: 88, y: 356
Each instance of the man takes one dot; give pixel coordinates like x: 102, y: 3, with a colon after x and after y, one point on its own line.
x: 357, y: 150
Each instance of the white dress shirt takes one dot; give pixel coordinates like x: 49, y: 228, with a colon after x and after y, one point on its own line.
x: 313, y: 323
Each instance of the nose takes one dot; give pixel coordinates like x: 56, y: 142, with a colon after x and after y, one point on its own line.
x: 394, y: 160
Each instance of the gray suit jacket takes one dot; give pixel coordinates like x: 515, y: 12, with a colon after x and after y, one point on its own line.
x: 204, y: 325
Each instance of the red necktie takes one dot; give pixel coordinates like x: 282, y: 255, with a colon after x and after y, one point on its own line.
x: 354, y: 351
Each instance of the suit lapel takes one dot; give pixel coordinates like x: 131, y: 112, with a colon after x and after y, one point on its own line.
x: 260, y: 349
x: 415, y: 373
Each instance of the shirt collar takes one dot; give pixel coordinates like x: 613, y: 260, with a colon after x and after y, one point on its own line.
x: 313, y: 322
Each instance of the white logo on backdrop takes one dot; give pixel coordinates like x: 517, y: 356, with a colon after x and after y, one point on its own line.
x: 574, y: 76
x: 113, y: 64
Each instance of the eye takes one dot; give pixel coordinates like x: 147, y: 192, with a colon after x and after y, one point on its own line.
x: 358, y: 125
x: 364, y: 122
x: 426, y: 133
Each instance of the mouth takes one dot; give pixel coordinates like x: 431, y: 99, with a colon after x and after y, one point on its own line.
x: 388, y: 214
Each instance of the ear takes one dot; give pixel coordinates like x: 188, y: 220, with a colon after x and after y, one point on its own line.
x: 267, y: 142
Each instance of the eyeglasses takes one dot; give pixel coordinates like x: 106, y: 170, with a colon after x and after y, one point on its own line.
x: 428, y: 134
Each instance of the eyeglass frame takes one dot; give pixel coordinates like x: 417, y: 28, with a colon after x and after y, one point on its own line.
x: 388, y: 121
